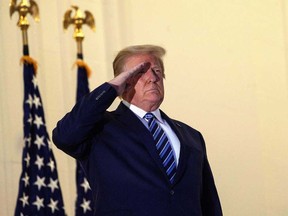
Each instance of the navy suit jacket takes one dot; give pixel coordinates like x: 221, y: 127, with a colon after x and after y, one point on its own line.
x: 121, y: 163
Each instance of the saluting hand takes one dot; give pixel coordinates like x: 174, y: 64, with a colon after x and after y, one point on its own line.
x: 120, y: 82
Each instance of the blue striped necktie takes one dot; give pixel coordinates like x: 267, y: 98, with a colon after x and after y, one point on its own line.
x: 163, y: 146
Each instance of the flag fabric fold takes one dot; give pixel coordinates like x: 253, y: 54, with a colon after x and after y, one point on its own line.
x: 39, y: 188
x: 84, y: 193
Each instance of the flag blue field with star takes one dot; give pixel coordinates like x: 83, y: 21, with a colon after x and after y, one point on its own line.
x: 39, y: 188
x: 84, y: 193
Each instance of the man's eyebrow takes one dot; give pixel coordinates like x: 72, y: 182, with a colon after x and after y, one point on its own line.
x: 156, y: 68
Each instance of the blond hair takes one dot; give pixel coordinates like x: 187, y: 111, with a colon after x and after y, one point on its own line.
x: 120, y: 60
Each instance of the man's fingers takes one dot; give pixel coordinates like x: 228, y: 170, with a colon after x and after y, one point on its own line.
x: 145, y: 66
x: 141, y: 68
x: 125, y: 79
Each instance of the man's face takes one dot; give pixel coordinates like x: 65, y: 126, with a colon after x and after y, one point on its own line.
x: 146, y: 89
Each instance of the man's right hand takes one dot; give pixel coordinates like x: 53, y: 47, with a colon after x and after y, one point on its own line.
x: 120, y: 82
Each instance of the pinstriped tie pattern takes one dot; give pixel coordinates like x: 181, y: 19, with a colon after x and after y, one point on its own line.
x: 163, y: 146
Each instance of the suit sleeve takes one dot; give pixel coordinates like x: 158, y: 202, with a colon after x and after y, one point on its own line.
x: 73, y: 132
x: 210, y: 200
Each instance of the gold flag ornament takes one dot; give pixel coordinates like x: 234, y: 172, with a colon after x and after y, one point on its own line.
x: 81, y: 63
x: 23, y: 8
x: 26, y: 59
x: 78, y: 20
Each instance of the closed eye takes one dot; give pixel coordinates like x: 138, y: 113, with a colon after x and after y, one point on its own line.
x: 157, y: 71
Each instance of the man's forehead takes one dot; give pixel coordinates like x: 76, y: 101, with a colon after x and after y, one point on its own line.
x: 138, y: 58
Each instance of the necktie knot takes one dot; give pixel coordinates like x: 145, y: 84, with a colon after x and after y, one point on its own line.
x: 148, y: 117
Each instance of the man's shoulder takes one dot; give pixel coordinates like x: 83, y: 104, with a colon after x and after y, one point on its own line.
x: 184, y: 125
x: 179, y: 123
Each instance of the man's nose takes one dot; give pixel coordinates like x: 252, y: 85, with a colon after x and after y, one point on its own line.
x: 152, y: 75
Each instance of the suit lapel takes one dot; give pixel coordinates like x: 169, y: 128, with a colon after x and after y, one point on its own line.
x: 185, y: 150
x: 140, y: 132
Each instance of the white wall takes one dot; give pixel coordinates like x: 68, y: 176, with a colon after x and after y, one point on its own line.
x: 227, y: 76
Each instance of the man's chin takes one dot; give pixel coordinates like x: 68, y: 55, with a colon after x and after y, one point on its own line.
x: 152, y: 92
x: 155, y: 98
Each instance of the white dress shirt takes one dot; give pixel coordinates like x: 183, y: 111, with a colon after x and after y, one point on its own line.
x: 165, y: 126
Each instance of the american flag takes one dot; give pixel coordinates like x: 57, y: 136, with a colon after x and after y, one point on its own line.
x: 39, y: 188
x: 84, y: 193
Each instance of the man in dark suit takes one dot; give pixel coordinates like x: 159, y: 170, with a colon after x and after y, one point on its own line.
x: 138, y: 161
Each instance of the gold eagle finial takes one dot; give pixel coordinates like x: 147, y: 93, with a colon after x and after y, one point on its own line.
x: 78, y: 20
x: 24, y: 7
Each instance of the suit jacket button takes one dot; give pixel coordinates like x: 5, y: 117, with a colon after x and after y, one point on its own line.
x: 172, y: 192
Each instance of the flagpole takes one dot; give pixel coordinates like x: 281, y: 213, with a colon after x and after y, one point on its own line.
x: 39, y: 188
x: 24, y: 29
x: 83, y: 204
x: 79, y: 37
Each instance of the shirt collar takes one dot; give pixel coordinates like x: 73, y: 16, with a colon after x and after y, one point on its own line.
x: 141, y: 113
